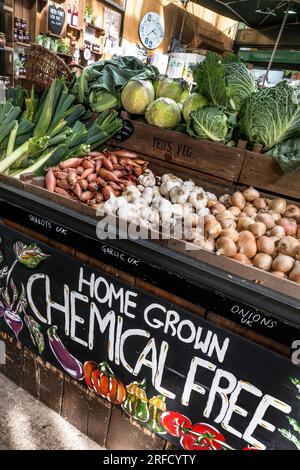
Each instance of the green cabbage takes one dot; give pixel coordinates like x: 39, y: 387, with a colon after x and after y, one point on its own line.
x: 137, y: 95
x: 287, y: 155
x: 176, y: 89
x: 192, y: 103
x: 101, y: 100
x: 271, y: 116
x: 164, y: 113
x: 211, y: 123
x: 224, y: 83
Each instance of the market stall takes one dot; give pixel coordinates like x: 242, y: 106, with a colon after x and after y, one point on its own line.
x: 150, y: 259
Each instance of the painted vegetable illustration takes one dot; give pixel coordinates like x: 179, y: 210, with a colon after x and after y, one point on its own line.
x: 136, y: 403
x: 68, y: 362
x: 175, y: 423
x: 202, y: 437
x: 13, y: 303
x: 293, y: 433
x: 101, y: 379
x: 157, y: 406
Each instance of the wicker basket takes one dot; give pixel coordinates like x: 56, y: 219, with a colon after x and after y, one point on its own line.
x: 44, y: 66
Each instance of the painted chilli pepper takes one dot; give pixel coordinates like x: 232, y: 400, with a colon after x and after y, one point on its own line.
x: 68, y: 362
x: 101, y: 380
x: 136, y: 403
x: 157, y: 406
x: 176, y: 424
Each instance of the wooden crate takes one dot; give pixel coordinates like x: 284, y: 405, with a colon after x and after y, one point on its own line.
x: 261, y: 171
x: 187, y: 152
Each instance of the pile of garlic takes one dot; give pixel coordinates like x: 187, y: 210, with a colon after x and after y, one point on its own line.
x: 159, y: 202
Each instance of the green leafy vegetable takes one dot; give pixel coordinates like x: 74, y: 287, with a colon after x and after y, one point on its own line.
x: 29, y: 255
x: 271, y: 116
x: 211, y: 123
x: 224, y: 83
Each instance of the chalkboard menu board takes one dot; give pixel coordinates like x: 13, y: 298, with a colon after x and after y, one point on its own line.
x: 179, y: 375
x: 56, y: 19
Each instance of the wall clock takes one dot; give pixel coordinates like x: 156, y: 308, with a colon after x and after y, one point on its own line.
x: 151, y: 30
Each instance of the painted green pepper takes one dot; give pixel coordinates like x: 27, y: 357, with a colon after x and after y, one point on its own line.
x: 136, y: 403
x: 157, y: 406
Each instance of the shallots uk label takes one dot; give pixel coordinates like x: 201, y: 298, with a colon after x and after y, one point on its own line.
x: 181, y: 376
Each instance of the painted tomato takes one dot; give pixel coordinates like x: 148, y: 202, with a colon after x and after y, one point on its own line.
x: 202, y: 436
x: 101, y: 379
x: 175, y: 423
x: 250, y: 448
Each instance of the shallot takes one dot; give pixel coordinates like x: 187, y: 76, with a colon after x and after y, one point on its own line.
x: 283, y: 264
x: 226, y: 247
x: 266, y: 245
x: 263, y: 261
x: 247, y: 244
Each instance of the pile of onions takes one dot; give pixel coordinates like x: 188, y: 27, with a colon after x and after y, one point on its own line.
x: 257, y: 231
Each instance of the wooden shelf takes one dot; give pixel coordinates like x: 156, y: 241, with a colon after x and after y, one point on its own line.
x: 22, y: 44
x: 114, y: 5
x: 100, y: 31
x: 20, y: 77
x: 8, y: 48
x: 8, y: 9
x: 75, y: 28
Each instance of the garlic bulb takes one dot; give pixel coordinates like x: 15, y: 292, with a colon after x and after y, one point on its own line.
x: 147, y: 179
x: 181, y: 210
x: 179, y: 194
x: 148, y: 195
x: 198, y: 199
x: 121, y: 201
x: 156, y: 191
x: 165, y: 210
x: 191, y: 220
x: 169, y: 182
x: 140, y: 203
x: 140, y: 187
x: 129, y: 212
x: 131, y: 193
x: 156, y: 202
x: 111, y: 205
x: 189, y: 184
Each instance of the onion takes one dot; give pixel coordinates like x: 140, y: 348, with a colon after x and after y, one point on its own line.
x: 228, y: 223
x: 212, y: 229
x: 279, y: 274
x: 266, y: 245
x: 260, y: 203
x: 226, y: 247
x: 297, y: 254
x: 278, y: 205
x: 225, y: 215
x: 292, y: 212
x: 250, y: 211
x: 250, y: 194
x: 244, y: 223
x: 230, y: 233
x: 283, y: 263
x: 247, y: 244
x: 209, y: 218
x: 258, y: 229
x: 208, y: 245
x: 238, y: 200
x: 190, y: 234
x: 241, y: 258
x: 277, y: 232
x: 218, y: 208
x: 290, y: 226
x: 276, y: 216
x: 266, y: 218
x: 235, y: 211
x: 288, y: 246
x: 225, y: 199
x: 295, y: 274
x: 263, y: 261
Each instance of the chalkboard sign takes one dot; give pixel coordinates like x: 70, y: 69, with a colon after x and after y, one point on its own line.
x: 182, y: 377
x: 56, y: 19
x: 126, y: 132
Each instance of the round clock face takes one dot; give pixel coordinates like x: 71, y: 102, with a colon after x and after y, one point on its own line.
x: 152, y: 30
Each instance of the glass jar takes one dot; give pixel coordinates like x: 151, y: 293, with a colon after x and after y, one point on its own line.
x: 20, y: 35
x: 23, y: 24
x: 26, y: 36
x: 16, y: 35
x: 18, y: 22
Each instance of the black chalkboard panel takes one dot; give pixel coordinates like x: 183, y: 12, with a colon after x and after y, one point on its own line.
x: 56, y: 19
x: 176, y: 373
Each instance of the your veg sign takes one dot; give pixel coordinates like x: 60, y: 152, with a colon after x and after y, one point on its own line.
x: 179, y: 375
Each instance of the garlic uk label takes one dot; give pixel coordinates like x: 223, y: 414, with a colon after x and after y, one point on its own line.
x: 179, y: 375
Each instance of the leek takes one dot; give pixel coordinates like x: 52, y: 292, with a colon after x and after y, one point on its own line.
x: 12, y: 139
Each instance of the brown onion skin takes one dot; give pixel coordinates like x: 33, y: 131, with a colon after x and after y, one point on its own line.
x: 278, y: 232
x: 230, y: 233
x: 247, y: 244
x: 260, y: 203
x: 295, y: 274
x: 263, y: 261
x: 290, y: 226
x: 266, y: 245
x: 228, y: 224
x: 250, y: 194
x: 283, y: 263
x: 238, y: 200
x: 241, y: 258
x: 279, y: 274
x: 258, y: 229
x: 226, y: 247
x: 288, y: 246
x: 278, y: 205
x: 266, y: 218
x: 292, y: 212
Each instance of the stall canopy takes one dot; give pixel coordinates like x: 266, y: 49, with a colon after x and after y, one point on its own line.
x: 256, y: 13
